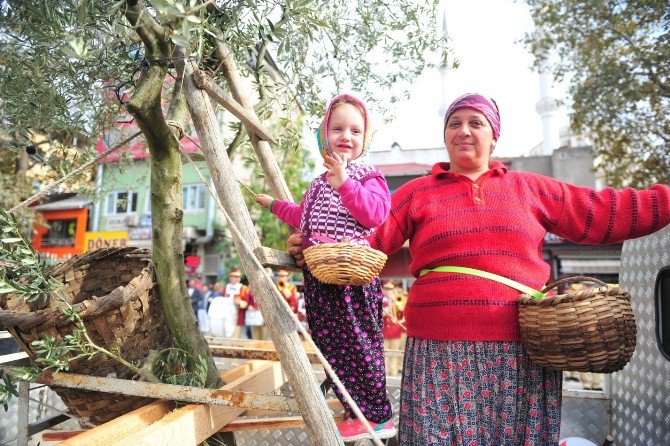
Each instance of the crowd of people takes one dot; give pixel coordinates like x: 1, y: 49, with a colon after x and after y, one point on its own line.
x: 236, y: 313
x: 231, y: 310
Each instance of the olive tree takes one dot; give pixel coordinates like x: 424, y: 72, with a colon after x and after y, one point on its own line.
x: 70, y: 68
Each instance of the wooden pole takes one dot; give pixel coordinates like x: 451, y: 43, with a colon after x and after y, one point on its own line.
x: 318, y: 418
x: 262, y: 148
x: 223, y: 98
x: 218, y: 397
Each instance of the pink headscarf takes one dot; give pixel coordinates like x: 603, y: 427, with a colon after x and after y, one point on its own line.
x: 485, y: 106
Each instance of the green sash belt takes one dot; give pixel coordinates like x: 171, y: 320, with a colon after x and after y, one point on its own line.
x: 486, y: 275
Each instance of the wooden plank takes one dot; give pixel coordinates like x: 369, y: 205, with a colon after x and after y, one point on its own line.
x: 195, y: 423
x: 275, y: 259
x: 333, y: 404
x: 223, y: 351
x: 224, y: 99
x: 59, y: 435
x: 240, y: 424
x: 264, y: 153
x: 188, y: 394
x: 247, y: 424
x: 15, y: 359
x: 267, y: 351
x: 139, y: 419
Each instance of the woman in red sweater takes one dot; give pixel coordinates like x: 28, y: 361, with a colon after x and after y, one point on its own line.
x: 467, y: 378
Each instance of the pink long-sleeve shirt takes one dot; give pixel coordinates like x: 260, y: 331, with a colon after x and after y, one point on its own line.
x: 369, y: 203
x: 325, y: 215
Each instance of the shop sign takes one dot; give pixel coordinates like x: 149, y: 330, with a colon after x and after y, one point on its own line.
x: 191, y: 264
x: 116, y: 222
x: 140, y: 234
x: 109, y: 239
x: 188, y: 232
x: 145, y: 221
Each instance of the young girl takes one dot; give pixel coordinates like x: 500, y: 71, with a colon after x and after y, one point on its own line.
x: 350, y: 199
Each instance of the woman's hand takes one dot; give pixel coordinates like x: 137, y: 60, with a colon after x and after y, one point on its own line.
x: 264, y: 200
x: 294, y: 245
x: 336, y: 165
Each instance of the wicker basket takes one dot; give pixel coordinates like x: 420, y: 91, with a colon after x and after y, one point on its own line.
x: 587, y: 331
x: 115, y: 293
x: 344, y: 263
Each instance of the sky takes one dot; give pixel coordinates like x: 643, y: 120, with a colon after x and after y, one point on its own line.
x: 485, y: 37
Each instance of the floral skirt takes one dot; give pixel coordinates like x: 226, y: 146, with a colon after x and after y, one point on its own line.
x: 477, y: 394
x: 346, y: 324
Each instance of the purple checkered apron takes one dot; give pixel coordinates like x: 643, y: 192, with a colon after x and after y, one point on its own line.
x: 324, y: 214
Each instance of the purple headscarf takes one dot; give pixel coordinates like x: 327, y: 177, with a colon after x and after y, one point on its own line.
x: 485, y: 106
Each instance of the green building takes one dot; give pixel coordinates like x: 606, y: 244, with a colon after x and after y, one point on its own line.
x: 125, y: 205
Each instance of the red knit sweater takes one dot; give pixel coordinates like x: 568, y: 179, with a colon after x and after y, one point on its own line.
x: 498, y: 223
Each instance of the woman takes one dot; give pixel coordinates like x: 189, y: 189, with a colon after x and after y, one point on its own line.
x: 467, y: 378
x: 392, y: 332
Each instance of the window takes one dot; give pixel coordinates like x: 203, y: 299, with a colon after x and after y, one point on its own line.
x: 662, y: 295
x: 194, y: 197
x: 60, y: 233
x: 121, y: 202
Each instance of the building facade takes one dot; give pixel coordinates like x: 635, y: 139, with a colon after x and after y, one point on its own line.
x: 125, y: 205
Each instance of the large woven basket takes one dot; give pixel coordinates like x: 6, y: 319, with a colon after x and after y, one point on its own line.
x: 587, y: 331
x: 344, y: 263
x: 115, y: 293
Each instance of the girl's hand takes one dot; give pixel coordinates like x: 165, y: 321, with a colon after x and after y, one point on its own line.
x: 336, y: 165
x: 294, y: 245
x: 264, y: 200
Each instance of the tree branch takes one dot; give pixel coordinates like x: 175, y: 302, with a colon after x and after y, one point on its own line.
x: 237, y: 140
x: 145, y: 104
x: 644, y: 62
x: 153, y: 35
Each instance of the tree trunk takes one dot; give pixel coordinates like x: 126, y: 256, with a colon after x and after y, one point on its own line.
x: 166, y: 194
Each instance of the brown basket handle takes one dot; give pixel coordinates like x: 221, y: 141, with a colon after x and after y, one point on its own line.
x: 572, y: 279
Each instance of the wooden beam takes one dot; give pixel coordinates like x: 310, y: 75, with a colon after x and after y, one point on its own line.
x: 224, y: 99
x: 139, y: 419
x: 240, y: 424
x: 265, y: 350
x: 59, y: 435
x: 273, y: 173
x: 19, y: 359
x: 275, y: 259
x: 225, y: 351
x: 247, y: 424
x: 333, y: 404
x: 219, y: 397
x: 193, y: 424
